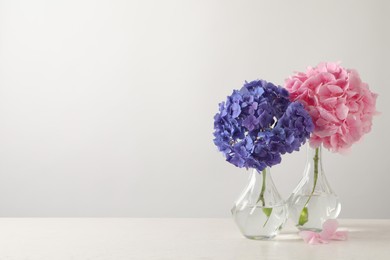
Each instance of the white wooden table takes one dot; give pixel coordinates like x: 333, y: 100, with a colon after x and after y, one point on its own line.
x: 126, y: 238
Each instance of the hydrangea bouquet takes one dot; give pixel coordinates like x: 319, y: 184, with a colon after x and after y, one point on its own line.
x: 253, y: 128
x: 341, y: 106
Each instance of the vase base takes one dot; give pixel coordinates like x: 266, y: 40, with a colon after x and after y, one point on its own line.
x: 260, y: 237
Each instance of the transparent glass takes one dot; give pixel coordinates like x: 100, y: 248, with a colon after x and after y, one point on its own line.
x: 313, y: 201
x: 260, y: 211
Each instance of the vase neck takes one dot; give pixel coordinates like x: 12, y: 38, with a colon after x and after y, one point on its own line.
x: 263, y: 188
x: 257, y: 178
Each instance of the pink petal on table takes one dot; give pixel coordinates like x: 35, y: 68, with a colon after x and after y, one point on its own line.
x: 329, y: 228
x: 340, y: 235
x: 312, y: 238
x: 308, y: 236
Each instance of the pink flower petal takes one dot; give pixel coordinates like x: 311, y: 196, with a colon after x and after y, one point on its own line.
x: 307, y: 235
x: 329, y: 228
x: 340, y: 235
x: 312, y: 238
x: 329, y: 232
x: 332, y: 101
x: 342, y: 111
x: 332, y: 66
x: 334, y: 141
x: 327, y: 115
x: 321, y: 122
x: 312, y: 82
x: 335, y: 89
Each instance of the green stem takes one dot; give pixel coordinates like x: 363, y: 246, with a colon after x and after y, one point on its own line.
x: 304, y: 217
x: 267, y: 211
x: 261, y: 197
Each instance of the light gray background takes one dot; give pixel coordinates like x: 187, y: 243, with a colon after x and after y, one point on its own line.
x: 106, y: 107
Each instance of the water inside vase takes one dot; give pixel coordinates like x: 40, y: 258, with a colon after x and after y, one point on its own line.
x: 254, y: 223
x: 320, y: 208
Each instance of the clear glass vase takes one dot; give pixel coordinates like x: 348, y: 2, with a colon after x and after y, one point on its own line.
x: 260, y: 211
x: 313, y: 201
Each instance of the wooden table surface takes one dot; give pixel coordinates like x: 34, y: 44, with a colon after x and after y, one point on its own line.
x: 132, y: 238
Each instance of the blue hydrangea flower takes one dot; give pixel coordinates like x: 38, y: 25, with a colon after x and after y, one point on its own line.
x: 258, y: 123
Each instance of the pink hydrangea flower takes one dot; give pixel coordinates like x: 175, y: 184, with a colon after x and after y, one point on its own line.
x: 340, y: 104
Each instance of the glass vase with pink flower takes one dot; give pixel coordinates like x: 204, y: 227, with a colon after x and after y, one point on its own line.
x: 342, y: 108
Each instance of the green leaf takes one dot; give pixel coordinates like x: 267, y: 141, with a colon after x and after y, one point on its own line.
x: 267, y: 211
x: 304, y: 216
